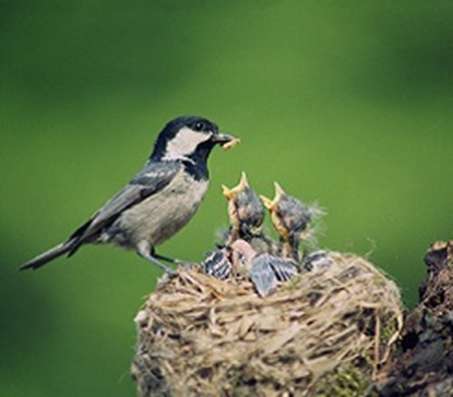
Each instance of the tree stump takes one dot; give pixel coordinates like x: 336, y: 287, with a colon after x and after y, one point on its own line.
x: 423, y: 364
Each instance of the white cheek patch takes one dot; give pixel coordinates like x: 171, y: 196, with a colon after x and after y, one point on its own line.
x: 184, y: 143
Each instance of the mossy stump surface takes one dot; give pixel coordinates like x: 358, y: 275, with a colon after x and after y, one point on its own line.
x: 322, y: 333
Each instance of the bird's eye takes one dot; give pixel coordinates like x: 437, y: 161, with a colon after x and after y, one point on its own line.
x: 199, y: 126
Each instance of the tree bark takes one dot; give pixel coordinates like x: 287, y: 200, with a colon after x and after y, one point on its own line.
x: 423, y: 363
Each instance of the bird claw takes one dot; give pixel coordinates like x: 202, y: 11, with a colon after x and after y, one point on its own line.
x: 171, y: 274
x: 184, y: 265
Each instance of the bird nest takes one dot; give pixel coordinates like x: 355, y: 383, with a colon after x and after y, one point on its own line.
x: 325, y: 332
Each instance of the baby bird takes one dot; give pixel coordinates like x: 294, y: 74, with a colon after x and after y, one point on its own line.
x: 291, y: 218
x: 245, y: 212
x: 264, y: 270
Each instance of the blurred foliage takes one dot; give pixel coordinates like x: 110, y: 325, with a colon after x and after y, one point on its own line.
x: 346, y: 103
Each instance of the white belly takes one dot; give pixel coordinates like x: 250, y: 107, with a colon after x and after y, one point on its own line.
x: 161, y: 216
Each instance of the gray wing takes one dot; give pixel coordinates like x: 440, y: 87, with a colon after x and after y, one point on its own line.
x: 263, y: 276
x: 317, y: 260
x: 152, y: 179
x: 283, y: 269
x: 217, y: 265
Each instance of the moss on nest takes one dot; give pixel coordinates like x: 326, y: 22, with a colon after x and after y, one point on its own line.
x: 326, y: 332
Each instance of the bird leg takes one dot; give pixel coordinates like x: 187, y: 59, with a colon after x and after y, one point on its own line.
x: 147, y: 252
x: 175, y: 261
x: 164, y: 258
x: 156, y: 262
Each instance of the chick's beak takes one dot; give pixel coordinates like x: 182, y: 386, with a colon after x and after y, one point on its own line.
x: 227, y: 141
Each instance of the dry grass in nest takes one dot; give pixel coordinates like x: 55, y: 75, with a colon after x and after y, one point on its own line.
x: 324, y: 332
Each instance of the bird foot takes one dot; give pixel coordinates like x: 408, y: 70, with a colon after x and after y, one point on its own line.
x: 155, y: 261
x: 186, y: 265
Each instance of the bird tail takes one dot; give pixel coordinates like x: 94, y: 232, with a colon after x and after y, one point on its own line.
x: 48, y: 256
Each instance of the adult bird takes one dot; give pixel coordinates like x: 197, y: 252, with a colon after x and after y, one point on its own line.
x: 159, y: 201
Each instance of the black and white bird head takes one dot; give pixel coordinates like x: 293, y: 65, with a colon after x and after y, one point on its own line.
x: 190, y: 139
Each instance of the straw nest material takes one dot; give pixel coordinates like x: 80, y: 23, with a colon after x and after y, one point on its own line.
x: 324, y: 333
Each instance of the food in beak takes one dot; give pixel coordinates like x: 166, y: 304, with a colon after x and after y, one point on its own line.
x: 231, y: 143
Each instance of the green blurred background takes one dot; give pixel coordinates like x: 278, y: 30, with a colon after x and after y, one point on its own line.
x: 348, y: 103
